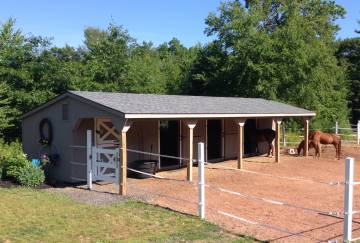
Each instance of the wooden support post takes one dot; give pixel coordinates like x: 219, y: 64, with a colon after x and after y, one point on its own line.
x: 240, y: 123
x: 191, y: 125
x: 123, y: 166
x: 306, y: 136
x: 277, y: 141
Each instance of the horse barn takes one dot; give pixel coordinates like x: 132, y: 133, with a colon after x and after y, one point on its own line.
x: 157, y: 124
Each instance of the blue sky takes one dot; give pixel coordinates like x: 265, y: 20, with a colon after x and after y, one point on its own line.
x: 156, y: 20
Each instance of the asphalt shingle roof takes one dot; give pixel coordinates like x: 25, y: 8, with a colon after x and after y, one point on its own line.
x: 180, y: 104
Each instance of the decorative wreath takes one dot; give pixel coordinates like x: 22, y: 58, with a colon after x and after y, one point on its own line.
x: 45, y: 141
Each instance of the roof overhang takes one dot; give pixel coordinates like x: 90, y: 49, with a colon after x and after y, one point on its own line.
x: 172, y: 116
x: 74, y: 96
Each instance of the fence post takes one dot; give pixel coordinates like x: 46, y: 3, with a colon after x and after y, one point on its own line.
x: 88, y: 159
x: 283, y: 135
x: 336, y: 127
x: 348, y: 198
x: 201, y: 180
x: 358, y: 132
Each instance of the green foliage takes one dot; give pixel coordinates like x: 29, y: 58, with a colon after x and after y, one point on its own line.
x: 30, y: 176
x: 32, y: 71
x: 15, y: 166
x: 12, y: 159
x: 279, y: 50
x: 274, y: 49
x: 5, y: 109
x: 56, y: 218
x: 349, y: 56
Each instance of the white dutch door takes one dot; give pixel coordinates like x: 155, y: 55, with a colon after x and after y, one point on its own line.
x: 105, y: 164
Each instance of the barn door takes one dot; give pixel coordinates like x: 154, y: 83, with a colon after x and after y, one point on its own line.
x: 214, y: 139
x: 169, y: 143
x: 250, y: 143
x: 105, y: 164
x: 106, y: 134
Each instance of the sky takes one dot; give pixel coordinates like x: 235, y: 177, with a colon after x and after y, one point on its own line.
x: 146, y: 20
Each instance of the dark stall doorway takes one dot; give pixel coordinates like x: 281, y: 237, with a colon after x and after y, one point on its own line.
x: 169, y: 144
x: 214, y: 139
x: 250, y: 143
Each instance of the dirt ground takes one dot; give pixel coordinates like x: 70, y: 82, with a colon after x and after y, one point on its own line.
x: 311, y: 190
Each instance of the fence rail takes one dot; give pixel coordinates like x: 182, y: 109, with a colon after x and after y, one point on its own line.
x: 201, y: 185
x: 349, y: 134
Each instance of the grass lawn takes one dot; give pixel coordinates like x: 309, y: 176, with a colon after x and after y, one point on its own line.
x: 36, y: 216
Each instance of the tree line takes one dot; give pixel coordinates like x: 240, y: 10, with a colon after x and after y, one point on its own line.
x: 274, y: 49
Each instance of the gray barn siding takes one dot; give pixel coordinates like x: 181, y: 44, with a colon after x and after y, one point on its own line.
x: 62, y: 132
x: 77, y: 156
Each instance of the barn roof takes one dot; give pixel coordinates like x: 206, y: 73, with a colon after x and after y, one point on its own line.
x: 178, y: 106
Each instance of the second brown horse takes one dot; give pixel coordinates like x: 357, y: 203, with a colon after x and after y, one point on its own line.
x: 317, y: 137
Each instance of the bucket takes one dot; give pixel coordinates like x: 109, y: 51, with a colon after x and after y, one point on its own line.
x: 145, y: 165
x: 35, y: 162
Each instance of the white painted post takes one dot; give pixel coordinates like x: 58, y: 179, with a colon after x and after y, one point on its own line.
x: 201, y: 180
x: 283, y: 135
x: 88, y: 159
x: 358, y: 132
x: 336, y: 127
x: 348, y: 198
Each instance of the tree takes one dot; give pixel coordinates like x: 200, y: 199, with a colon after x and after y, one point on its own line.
x: 22, y: 72
x: 349, y: 55
x: 276, y: 49
x: 5, y: 109
x: 107, y: 54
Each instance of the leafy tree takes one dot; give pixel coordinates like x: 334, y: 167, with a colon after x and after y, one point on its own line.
x: 32, y: 70
x: 21, y: 70
x: 106, y: 55
x: 5, y: 109
x: 276, y: 49
x: 349, y: 55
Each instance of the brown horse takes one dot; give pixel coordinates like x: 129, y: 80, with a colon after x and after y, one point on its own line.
x: 317, y: 137
x: 266, y: 135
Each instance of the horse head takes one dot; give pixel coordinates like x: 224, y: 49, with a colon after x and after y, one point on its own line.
x: 300, y: 147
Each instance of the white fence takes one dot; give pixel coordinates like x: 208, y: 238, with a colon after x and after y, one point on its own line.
x: 112, y: 158
x: 349, y: 134
x: 348, y: 200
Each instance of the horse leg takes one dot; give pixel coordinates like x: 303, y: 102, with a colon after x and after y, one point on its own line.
x: 337, y: 150
x: 317, y: 150
x: 272, y: 149
x: 270, y: 152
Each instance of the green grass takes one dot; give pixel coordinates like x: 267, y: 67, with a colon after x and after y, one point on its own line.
x: 37, y: 216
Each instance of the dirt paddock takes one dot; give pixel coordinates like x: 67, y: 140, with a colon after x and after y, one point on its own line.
x: 310, y: 190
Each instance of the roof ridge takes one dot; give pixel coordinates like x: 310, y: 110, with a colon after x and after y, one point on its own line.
x: 172, y: 95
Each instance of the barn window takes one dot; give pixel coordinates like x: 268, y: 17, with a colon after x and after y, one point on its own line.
x: 65, y: 112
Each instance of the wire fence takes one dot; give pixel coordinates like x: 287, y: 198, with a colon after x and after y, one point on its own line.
x: 273, y: 176
x: 292, y: 137
x: 223, y: 212
x: 201, y: 185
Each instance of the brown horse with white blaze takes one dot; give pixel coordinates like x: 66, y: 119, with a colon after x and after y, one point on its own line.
x: 317, y: 137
